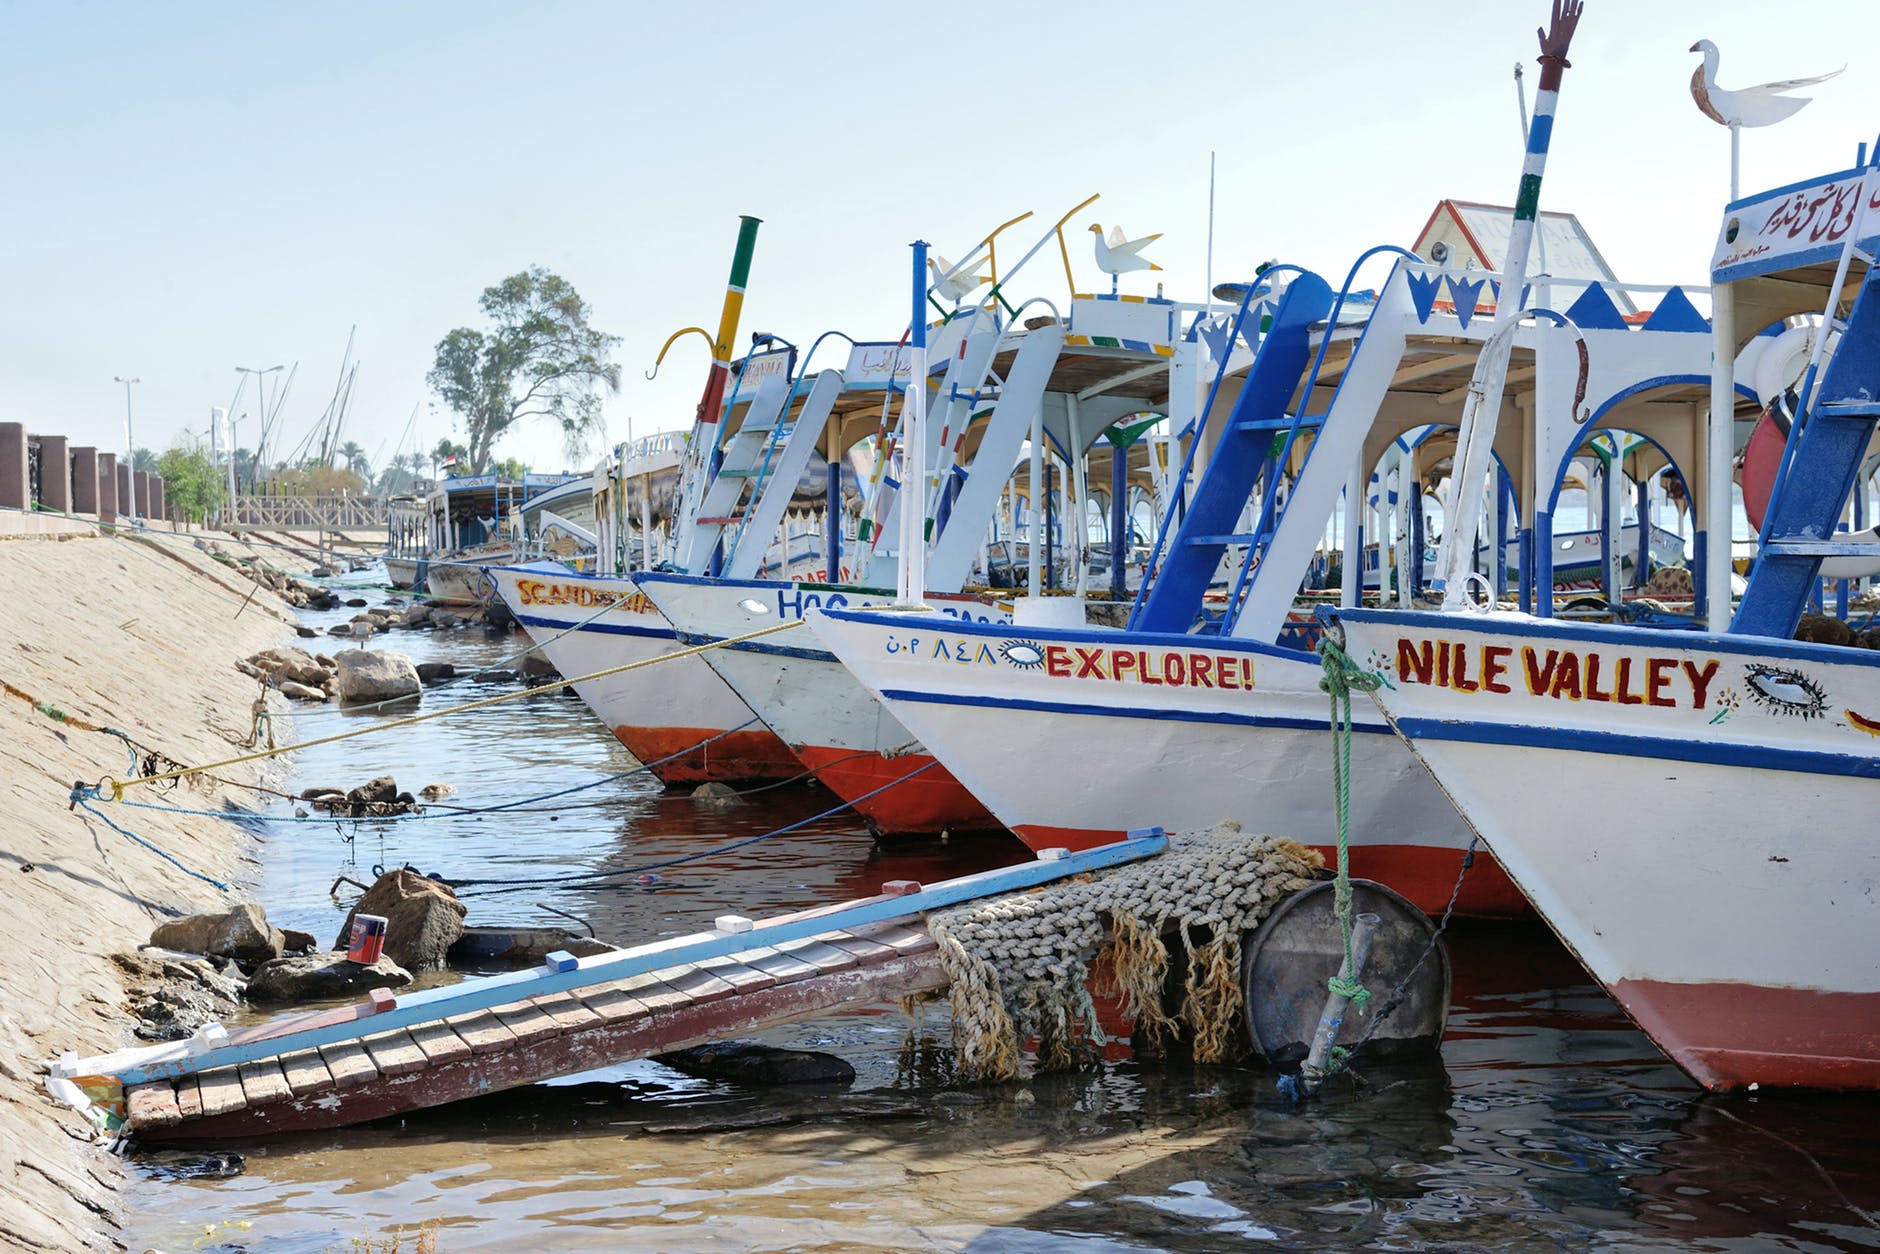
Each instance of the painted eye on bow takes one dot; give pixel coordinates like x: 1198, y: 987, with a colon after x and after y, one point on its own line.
x: 1783, y: 691
x: 1022, y: 654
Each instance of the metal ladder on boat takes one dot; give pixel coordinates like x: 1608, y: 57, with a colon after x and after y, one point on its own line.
x: 1172, y: 590
x: 1829, y: 445
x: 1010, y: 423
x: 786, y: 455
x: 739, y: 461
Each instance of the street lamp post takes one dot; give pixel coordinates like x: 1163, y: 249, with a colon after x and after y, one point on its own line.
x: 130, y: 445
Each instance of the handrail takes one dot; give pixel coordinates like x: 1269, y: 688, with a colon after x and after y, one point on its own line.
x: 1163, y: 532
x: 1270, y: 492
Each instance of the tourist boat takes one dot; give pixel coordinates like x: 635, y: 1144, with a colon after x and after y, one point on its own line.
x: 1730, y: 905
x: 404, y: 541
x: 1196, y: 712
x: 465, y: 528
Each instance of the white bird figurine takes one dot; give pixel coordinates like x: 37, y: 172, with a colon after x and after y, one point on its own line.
x: 1764, y: 105
x: 1119, y: 255
x: 954, y: 286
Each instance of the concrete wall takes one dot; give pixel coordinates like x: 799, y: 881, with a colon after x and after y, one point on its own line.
x: 55, y: 473
x: 107, y: 487
x: 159, y: 498
x: 121, y: 503
x: 85, y: 480
x: 146, y: 499
x: 15, y: 475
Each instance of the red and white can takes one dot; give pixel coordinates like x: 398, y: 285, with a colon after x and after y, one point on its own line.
x: 368, y: 939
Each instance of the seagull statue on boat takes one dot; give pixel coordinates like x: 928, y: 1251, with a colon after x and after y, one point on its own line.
x: 1762, y: 105
x: 1119, y: 254
x: 954, y: 287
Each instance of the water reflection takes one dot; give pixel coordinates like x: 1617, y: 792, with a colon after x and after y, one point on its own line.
x: 1549, y: 1123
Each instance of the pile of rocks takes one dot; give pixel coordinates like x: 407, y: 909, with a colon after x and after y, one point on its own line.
x: 352, y: 675
x: 295, y: 592
x: 438, y: 617
x: 376, y: 798
x: 198, y: 969
x: 298, y: 675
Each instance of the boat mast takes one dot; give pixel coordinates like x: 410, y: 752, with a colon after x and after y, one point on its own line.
x: 1480, y: 412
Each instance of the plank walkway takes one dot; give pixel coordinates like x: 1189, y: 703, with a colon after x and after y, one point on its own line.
x: 396, y: 1052
x: 536, y: 1037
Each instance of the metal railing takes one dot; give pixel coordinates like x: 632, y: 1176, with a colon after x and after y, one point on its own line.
x: 332, y: 511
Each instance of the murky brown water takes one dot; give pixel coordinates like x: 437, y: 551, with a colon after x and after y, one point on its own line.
x: 1550, y: 1124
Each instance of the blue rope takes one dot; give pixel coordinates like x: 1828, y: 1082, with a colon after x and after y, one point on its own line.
x: 517, y: 884
x: 84, y: 794
x: 241, y: 816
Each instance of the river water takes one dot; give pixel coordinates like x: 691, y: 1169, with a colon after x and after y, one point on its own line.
x: 1550, y: 1122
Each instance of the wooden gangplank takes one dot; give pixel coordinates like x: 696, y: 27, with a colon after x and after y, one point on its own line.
x: 537, y: 1038
x: 389, y: 1053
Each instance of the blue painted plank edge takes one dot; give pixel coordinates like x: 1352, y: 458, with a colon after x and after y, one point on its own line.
x: 173, y: 1060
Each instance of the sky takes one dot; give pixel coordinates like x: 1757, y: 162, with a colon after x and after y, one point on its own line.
x: 199, y: 186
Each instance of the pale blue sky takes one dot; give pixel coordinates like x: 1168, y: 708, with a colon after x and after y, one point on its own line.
x: 198, y: 186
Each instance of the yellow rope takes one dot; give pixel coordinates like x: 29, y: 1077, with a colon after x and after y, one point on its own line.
x: 115, y: 788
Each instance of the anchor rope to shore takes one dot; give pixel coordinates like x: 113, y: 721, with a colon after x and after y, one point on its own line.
x: 516, y: 885
x: 1341, y: 676
x: 82, y: 797
x: 92, y: 791
x: 117, y: 787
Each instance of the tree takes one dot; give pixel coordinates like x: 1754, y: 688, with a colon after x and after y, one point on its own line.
x: 445, y: 450
x: 143, y: 459
x: 192, y: 482
x: 540, y: 359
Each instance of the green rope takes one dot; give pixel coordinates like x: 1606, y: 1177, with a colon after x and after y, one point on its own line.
x: 1341, y: 676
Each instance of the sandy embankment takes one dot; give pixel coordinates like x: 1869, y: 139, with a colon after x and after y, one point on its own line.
x: 115, y: 633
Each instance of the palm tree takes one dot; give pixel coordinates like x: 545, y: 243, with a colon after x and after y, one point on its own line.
x: 354, y: 458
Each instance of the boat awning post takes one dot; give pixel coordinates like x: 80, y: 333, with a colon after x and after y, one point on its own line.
x: 1714, y: 509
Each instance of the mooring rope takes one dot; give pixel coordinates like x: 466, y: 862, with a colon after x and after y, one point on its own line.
x: 516, y: 885
x: 116, y: 787
x: 94, y: 792
x: 1341, y: 676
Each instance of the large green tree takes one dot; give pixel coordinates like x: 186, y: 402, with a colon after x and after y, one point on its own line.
x: 192, y: 482
x: 538, y: 359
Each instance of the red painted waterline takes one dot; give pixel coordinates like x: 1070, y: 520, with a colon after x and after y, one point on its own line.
x: 930, y: 802
x: 1730, y: 1036
x: 1423, y: 874
x: 751, y: 756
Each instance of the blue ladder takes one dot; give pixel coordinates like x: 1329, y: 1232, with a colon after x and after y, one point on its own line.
x: 1172, y: 595
x: 1829, y: 445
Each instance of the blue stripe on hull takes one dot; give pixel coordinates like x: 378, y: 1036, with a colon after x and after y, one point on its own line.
x: 1577, y: 740
x: 605, y: 629
x: 1115, y: 711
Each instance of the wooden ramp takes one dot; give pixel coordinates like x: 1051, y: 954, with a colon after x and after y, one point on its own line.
x: 537, y: 1038
x: 395, y: 1053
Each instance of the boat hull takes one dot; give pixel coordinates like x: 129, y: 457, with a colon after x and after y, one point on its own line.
x: 1692, y: 814
x: 1075, y: 761
x: 401, y: 572
x: 836, y: 728
x: 677, y: 717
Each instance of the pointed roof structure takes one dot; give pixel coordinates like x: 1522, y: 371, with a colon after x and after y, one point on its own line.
x: 1477, y: 238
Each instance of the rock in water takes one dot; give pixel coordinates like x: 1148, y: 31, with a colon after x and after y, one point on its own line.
x: 301, y: 692
x: 717, y: 794
x: 743, y: 1062
x: 243, y: 933
x: 423, y: 918
x: 383, y: 788
x: 436, y: 672
x: 366, y: 675
x: 437, y: 792
x: 314, y: 977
